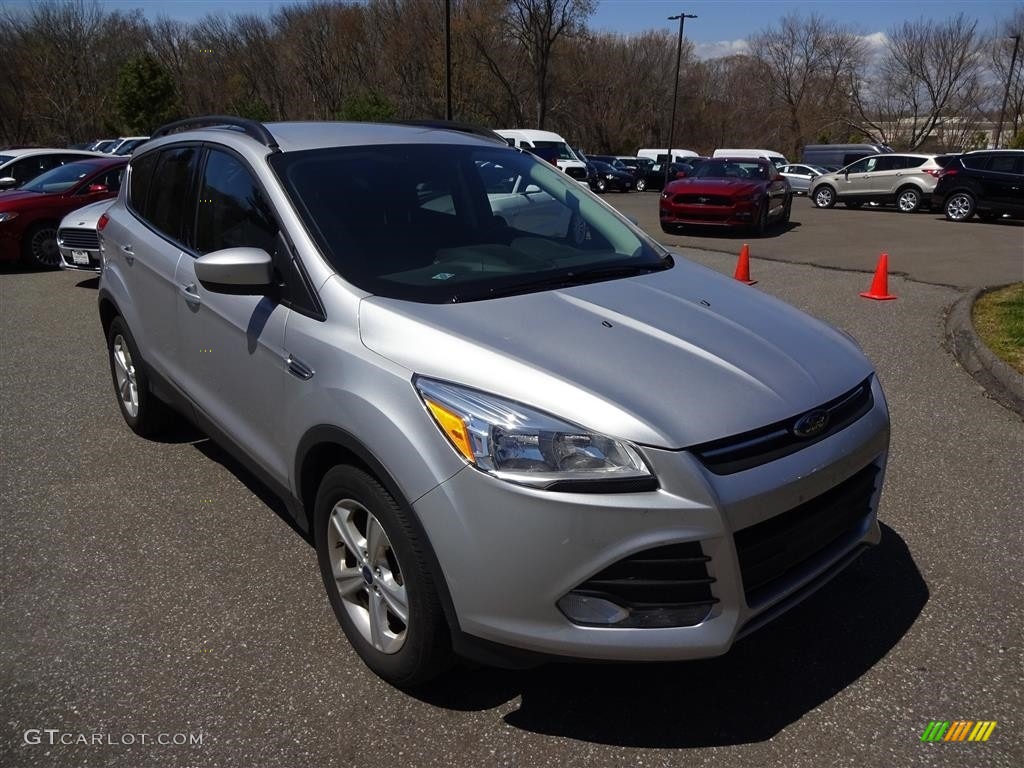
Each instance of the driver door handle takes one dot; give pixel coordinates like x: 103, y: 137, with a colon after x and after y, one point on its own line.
x: 190, y: 293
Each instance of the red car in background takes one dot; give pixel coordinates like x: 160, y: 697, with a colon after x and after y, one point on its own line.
x: 727, y: 192
x: 29, y: 215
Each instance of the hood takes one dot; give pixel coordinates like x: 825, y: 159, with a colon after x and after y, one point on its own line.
x: 16, y: 198
x: 88, y: 215
x: 715, y: 186
x: 669, y: 359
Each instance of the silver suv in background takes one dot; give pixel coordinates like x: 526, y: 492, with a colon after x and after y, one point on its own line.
x: 510, y: 437
x: 903, y: 180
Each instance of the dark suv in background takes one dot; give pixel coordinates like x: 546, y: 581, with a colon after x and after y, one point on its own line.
x: 989, y: 183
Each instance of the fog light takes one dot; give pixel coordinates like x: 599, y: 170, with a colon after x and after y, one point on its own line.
x: 582, y: 609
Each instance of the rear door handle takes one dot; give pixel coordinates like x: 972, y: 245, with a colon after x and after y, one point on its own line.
x: 129, y: 254
x: 190, y: 294
x: 299, y: 369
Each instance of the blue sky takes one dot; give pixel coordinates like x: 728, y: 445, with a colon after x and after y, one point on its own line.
x: 721, y: 23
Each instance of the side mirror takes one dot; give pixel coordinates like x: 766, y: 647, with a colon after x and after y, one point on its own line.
x: 531, y: 189
x: 96, y: 188
x: 8, y: 182
x: 238, y: 271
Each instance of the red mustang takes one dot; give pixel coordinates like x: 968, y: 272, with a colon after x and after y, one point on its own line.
x: 30, y: 214
x: 727, y: 192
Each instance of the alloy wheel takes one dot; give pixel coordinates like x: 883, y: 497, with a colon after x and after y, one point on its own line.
x: 909, y: 200
x: 959, y: 207
x: 367, y: 576
x: 823, y: 198
x: 124, y: 370
x: 43, y: 247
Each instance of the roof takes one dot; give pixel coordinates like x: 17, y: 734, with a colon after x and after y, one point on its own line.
x: 47, y: 151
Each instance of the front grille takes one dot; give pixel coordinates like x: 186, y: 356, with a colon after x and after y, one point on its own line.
x: 772, y: 552
x: 759, y: 446
x: 79, y: 239
x: 665, y: 586
x: 689, y: 199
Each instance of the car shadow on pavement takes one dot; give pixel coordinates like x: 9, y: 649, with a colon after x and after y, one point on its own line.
x: 89, y: 282
x: 767, y: 681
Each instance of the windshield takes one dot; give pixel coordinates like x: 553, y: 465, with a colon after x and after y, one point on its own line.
x: 446, y: 223
x: 60, y: 179
x: 564, y: 153
x: 731, y: 169
x: 5, y: 158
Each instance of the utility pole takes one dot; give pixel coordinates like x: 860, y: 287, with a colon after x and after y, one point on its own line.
x: 675, y: 91
x: 448, y: 59
x: 1006, y: 93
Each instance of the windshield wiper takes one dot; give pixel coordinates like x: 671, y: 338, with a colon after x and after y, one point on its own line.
x: 568, y: 278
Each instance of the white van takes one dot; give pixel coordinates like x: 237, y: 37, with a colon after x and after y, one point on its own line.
x: 765, y: 154
x: 659, y: 155
x: 567, y: 160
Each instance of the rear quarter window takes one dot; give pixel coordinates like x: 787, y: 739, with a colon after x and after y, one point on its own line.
x: 138, y: 185
x: 977, y: 162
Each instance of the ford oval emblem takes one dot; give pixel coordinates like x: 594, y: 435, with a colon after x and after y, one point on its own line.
x: 811, y: 424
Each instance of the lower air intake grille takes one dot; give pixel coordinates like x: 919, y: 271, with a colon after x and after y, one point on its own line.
x: 772, y: 552
x: 663, y: 587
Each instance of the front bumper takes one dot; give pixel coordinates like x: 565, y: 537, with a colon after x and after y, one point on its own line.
x: 67, y: 261
x: 738, y: 214
x: 509, y: 553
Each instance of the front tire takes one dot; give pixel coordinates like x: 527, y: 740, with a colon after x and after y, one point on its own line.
x: 959, y: 206
x: 375, y: 571
x: 824, y: 196
x: 908, y: 199
x: 762, y: 219
x: 39, y: 246
x: 144, y: 413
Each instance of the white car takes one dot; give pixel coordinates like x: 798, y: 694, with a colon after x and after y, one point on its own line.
x: 20, y: 166
x: 77, y: 239
x: 801, y: 175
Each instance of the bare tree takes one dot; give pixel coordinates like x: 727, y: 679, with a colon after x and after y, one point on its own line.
x: 538, y: 25
x: 804, y: 64
x: 930, y: 72
x: 999, y: 58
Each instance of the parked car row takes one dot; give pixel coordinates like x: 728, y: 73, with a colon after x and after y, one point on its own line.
x: 122, y: 146
x: 987, y: 182
x: 31, y: 215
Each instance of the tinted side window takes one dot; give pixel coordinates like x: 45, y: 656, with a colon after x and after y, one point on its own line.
x: 232, y: 210
x: 169, y: 201
x: 861, y: 166
x: 889, y: 163
x: 914, y: 162
x: 138, y: 182
x: 1002, y: 163
x: 975, y: 161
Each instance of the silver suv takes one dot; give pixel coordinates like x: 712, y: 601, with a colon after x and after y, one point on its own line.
x: 906, y: 181
x: 511, y: 437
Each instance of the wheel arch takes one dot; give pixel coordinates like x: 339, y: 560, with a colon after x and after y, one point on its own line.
x: 325, y: 446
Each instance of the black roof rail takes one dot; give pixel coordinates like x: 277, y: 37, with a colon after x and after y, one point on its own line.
x: 252, y: 128
x: 451, y: 125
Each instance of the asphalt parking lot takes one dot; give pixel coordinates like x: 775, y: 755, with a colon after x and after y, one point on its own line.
x: 153, y: 588
x: 922, y: 245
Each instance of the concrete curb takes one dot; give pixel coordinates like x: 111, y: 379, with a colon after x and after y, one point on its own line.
x: 1001, y: 382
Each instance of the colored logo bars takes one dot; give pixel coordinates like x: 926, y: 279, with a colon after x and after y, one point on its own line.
x: 958, y: 730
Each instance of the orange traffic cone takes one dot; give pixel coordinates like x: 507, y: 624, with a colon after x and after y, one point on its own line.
x: 743, y: 266
x: 879, y: 290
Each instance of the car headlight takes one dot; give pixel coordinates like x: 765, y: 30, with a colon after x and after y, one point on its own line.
x: 748, y: 198
x: 516, y: 443
x: 8, y: 215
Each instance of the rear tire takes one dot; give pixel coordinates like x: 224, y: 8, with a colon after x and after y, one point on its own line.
x: 144, y: 413
x: 378, y: 581
x: 908, y: 199
x: 762, y: 219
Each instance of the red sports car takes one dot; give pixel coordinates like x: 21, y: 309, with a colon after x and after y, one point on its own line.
x: 29, y: 215
x: 727, y: 192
